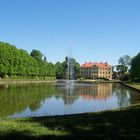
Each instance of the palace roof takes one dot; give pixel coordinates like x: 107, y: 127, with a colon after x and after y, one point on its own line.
x: 91, y: 64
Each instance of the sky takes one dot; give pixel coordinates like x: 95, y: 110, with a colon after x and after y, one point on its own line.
x: 88, y: 30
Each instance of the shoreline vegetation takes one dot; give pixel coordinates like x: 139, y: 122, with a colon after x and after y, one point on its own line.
x: 19, y: 64
x: 24, y: 81
x: 122, y: 123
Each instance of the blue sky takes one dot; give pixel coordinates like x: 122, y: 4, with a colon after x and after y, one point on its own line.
x: 95, y: 30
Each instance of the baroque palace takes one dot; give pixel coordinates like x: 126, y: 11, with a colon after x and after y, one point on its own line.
x: 94, y: 70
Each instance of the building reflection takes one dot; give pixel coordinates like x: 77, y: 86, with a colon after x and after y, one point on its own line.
x: 16, y: 99
x: 87, y: 92
x: 100, y: 92
x: 96, y: 92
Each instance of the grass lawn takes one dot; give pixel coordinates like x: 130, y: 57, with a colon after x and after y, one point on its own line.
x: 135, y: 85
x: 25, y: 81
x: 99, y: 81
x: 109, y: 125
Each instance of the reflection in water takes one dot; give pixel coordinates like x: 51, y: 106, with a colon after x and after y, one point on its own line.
x: 17, y: 98
x: 59, y: 98
x: 97, y: 92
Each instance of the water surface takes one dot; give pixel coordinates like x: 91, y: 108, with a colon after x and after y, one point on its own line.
x: 61, y: 98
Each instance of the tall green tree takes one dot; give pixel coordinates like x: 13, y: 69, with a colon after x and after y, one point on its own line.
x: 123, y: 67
x: 61, y: 69
x: 76, y: 68
x: 36, y: 54
x: 135, y: 68
x: 124, y: 63
x: 17, y: 63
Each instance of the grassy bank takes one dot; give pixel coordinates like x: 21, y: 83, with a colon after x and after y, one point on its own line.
x: 109, y: 125
x: 18, y: 81
x: 49, y: 79
x: 99, y: 81
x: 135, y: 86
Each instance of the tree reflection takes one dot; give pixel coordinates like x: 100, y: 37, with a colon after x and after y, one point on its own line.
x: 123, y: 94
x: 17, y: 98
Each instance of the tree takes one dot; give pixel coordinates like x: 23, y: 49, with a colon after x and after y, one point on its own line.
x: 37, y: 55
x: 17, y: 63
x: 114, y: 75
x: 123, y: 67
x: 61, y: 69
x: 135, y: 68
x: 125, y: 62
x: 76, y: 68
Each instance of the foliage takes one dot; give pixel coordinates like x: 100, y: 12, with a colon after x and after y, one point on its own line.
x: 36, y: 54
x: 125, y: 77
x: 61, y: 69
x: 114, y: 75
x: 102, y: 78
x: 125, y: 60
x: 17, y: 63
x: 76, y: 67
x: 135, y: 68
x: 123, y: 66
x: 124, y: 63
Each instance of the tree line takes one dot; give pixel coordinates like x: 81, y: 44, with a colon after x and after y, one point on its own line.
x: 128, y: 68
x: 19, y: 64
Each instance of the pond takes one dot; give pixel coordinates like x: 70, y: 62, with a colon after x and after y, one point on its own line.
x: 32, y: 100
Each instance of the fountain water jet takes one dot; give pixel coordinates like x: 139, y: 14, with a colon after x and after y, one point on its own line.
x: 70, y: 68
